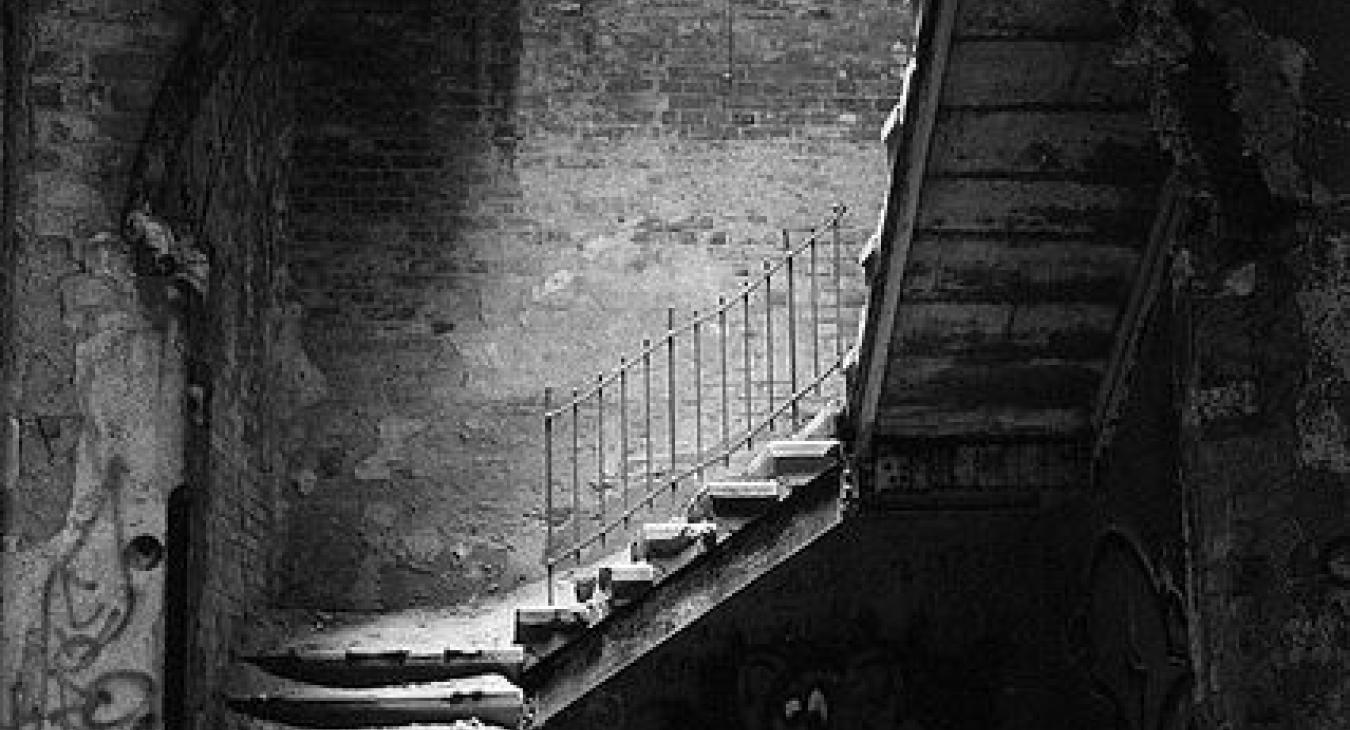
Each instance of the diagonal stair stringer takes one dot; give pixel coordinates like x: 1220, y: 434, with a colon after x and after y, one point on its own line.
x: 567, y: 675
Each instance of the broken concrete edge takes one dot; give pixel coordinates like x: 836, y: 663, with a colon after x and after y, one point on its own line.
x: 358, y: 668
x: 327, y: 707
x: 625, y: 634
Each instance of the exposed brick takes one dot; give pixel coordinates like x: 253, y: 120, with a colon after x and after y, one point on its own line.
x: 127, y: 65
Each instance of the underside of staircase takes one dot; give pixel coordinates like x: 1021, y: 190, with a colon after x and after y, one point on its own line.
x: 1025, y: 185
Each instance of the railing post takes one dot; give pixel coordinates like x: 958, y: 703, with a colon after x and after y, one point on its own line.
x: 548, y: 492
x: 698, y: 396
x: 600, y: 486
x: 576, y: 469
x: 623, y: 435
x: 815, y: 314
x: 768, y: 339
x: 670, y: 392
x: 647, y: 414
x: 838, y: 286
x: 748, y: 364
x: 791, y: 329
x: 722, y: 359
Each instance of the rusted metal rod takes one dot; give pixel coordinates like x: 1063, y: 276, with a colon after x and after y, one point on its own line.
x: 623, y: 435
x: 722, y: 367
x: 647, y: 407
x: 747, y: 362
x: 795, y: 410
x: 548, y: 492
x: 815, y: 315
x: 670, y: 386
x: 838, y: 286
x: 600, y: 486
x: 698, y: 393
x: 768, y: 338
x: 576, y: 467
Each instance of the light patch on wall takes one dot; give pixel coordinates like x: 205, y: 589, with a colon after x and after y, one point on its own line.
x: 555, y: 283
x: 423, y: 546
x: 394, y: 431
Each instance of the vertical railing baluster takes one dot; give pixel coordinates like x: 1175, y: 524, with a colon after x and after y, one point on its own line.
x: 623, y: 437
x: 647, y: 414
x: 838, y: 287
x: 748, y: 367
x: 768, y: 339
x: 548, y: 492
x: 791, y: 329
x: 698, y: 396
x: 815, y: 315
x: 722, y: 366
x: 576, y: 470
x: 670, y: 391
x: 600, y: 486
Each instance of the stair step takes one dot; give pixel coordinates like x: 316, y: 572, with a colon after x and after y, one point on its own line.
x: 661, y: 540
x: 560, y: 680
x: 537, y: 625
x: 731, y: 505
x: 371, y: 668
x: 794, y: 459
x: 341, y: 707
x: 750, y: 495
x: 670, y: 545
x: 627, y: 582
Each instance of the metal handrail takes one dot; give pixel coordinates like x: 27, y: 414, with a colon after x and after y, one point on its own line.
x: 724, y: 305
x: 761, y: 414
x: 573, y: 552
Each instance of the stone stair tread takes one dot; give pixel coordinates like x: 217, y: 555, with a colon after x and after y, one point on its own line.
x: 744, y: 489
x: 627, y: 582
x: 558, y: 617
x: 803, y: 448
x: 358, y: 667
x: 489, y: 698
x: 660, y: 540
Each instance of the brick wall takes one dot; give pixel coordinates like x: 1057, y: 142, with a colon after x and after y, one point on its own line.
x: 491, y: 198
x: 213, y: 165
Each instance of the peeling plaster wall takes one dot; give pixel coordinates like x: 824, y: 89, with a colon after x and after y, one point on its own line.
x: 1257, y: 114
x: 161, y: 361
x: 85, y: 611
x: 93, y: 439
x: 495, y: 197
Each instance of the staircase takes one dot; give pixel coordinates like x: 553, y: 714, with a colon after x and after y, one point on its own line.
x: 672, y: 573
x: 1025, y: 188
x: 746, y: 409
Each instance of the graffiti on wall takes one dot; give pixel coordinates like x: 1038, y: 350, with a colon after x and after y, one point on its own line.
x: 803, y: 686
x: 1130, y: 638
x: 84, y: 607
x: 857, y: 681
x: 68, y: 681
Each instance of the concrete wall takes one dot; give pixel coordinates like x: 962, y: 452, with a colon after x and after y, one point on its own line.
x: 495, y: 197
x: 1270, y: 458
x: 1258, y: 121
